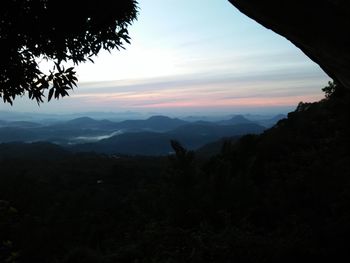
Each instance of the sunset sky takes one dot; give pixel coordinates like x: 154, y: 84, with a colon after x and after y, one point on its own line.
x: 188, y: 57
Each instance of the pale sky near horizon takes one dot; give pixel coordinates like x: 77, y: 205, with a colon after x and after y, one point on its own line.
x: 192, y: 56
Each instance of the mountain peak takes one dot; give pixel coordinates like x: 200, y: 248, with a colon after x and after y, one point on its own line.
x: 82, y: 120
x: 239, y: 118
x: 159, y: 118
x: 236, y: 119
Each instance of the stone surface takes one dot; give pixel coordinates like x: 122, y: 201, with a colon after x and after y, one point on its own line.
x: 320, y: 28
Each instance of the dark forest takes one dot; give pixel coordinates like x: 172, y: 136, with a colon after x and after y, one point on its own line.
x: 279, y: 196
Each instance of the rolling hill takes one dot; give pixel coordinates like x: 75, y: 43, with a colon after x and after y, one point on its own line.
x: 135, y: 137
x: 192, y: 136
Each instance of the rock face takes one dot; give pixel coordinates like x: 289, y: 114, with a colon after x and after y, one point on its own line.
x: 320, y: 28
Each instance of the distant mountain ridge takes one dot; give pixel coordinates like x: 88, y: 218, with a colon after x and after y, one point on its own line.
x: 192, y: 136
x: 237, y: 119
x: 145, y: 137
x: 155, y: 123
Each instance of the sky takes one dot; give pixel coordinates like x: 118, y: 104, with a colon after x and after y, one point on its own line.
x: 192, y: 57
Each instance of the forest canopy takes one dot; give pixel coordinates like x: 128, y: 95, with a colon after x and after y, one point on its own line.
x: 56, y: 31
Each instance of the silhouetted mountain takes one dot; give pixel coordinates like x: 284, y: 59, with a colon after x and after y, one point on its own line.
x: 214, y: 148
x: 211, y: 129
x: 237, y: 119
x: 196, y: 135
x: 159, y: 121
x: 196, y: 118
x: 191, y: 136
x: 82, y: 121
x: 154, y: 123
x: 88, y: 123
x: 77, y: 129
x: 88, y: 130
x: 272, y: 121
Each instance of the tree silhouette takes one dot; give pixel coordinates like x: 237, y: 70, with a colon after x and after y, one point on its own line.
x: 56, y: 31
x: 333, y: 89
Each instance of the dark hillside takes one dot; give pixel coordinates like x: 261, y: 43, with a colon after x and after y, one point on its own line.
x: 282, y: 196
x: 29, y: 151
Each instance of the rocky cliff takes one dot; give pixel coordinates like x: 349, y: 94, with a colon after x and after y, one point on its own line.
x: 320, y: 28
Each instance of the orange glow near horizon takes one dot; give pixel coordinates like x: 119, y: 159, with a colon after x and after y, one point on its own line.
x: 240, y: 102
x: 173, y: 98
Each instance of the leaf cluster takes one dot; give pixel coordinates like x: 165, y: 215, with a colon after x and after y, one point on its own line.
x: 56, y: 31
x: 333, y: 89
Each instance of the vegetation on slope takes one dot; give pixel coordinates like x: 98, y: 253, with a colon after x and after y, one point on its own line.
x: 277, y: 197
